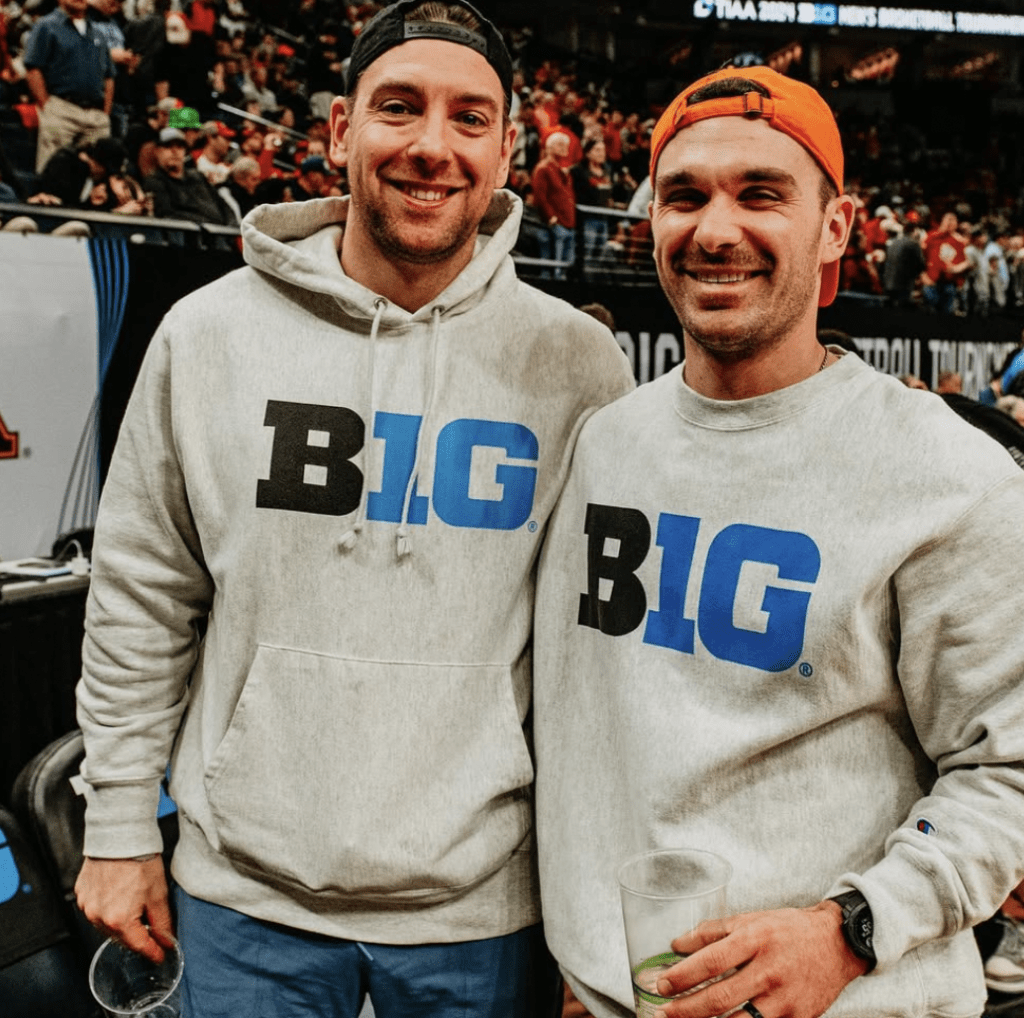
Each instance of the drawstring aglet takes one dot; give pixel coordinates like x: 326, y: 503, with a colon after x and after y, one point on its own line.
x: 348, y: 540
x: 404, y: 545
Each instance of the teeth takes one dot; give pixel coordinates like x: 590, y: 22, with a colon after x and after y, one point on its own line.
x: 422, y: 195
x: 737, y: 277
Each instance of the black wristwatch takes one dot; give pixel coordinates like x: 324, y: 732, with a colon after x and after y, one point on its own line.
x: 858, y: 925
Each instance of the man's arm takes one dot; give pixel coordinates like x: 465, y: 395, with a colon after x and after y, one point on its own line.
x: 37, y: 86
x: 149, y: 588
x: 108, y: 95
x: 960, y: 850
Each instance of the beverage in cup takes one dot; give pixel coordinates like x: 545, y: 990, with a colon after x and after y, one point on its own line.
x: 666, y: 893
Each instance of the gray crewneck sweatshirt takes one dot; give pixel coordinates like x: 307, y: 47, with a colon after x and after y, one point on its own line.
x: 354, y: 496
x: 788, y: 630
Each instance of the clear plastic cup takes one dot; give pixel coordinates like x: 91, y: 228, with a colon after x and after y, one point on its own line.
x: 126, y: 983
x: 666, y: 893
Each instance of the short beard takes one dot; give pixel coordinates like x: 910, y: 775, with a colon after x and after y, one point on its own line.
x: 746, y: 340
x: 390, y: 245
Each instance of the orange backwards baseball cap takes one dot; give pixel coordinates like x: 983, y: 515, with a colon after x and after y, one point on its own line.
x: 794, y: 108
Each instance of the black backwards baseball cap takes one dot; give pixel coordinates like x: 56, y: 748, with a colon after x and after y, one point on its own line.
x: 388, y: 28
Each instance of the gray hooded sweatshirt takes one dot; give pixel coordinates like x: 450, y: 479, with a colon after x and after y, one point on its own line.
x: 354, y: 497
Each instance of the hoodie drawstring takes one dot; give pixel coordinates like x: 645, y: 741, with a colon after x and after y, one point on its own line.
x: 404, y: 542
x: 348, y: 540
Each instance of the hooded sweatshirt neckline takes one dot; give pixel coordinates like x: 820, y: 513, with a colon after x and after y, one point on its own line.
x: 306, y: 253
x: 760, y: 411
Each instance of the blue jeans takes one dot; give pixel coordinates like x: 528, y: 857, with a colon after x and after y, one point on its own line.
x: 941, y: 296
x: 559, y: 243
x: 239, y: 966
x: 595, y: 236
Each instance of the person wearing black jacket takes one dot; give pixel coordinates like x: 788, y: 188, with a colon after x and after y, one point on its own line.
x: 180, y: 193
x: 66, y: 177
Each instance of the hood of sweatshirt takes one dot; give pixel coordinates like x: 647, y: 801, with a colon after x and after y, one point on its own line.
x: 301, y: 245
x: 304, y: 249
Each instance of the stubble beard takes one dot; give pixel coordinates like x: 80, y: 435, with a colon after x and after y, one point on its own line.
x: 756, y: 331
x: 386, y: 235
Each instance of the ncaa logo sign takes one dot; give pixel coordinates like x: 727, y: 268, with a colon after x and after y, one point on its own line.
x: 10, y: 878
x: 8, y: 442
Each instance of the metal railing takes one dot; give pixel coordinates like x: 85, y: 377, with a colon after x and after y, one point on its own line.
x: 137, y: 229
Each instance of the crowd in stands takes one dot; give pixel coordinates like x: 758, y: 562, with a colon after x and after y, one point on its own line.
x: 209, y: 107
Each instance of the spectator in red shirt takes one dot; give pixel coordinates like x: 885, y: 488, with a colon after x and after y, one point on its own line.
x: 613, y: 137
x: 555, y: 200
x: 946, y: 264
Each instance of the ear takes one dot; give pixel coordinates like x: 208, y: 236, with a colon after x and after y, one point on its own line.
x: 836, y: 228
x: 340, y: 123
x: 508, y: 137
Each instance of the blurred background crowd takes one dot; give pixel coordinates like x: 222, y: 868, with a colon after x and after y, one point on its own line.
x: 200, y: 110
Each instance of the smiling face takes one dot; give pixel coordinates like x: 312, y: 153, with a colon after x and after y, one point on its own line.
x: 425, y: 144
x: 740, y: 235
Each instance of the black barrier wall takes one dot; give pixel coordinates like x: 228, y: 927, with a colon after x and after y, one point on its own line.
x: 895, y: 342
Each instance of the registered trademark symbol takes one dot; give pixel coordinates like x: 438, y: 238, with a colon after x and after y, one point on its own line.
x: 806, y: 670
x: 532, y: 526
x: 26, y: 452
x: 26, y: 888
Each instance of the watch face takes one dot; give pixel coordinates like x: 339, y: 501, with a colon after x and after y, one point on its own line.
x: 863, y: 925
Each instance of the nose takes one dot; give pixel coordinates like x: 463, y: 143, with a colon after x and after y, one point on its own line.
x: 718, y: 225
x: 430, y: 146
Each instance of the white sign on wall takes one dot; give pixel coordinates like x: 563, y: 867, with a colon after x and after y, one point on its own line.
x: 48, y: 384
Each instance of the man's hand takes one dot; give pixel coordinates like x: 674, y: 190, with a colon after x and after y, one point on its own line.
x: 1014, y: 905
x: 127, y: 900
x: 789, y: 963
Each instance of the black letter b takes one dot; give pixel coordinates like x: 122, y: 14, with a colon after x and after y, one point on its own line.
x: 624, y: 610
x: 338, y: 486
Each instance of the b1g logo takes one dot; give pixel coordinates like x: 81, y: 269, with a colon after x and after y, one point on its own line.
x: 8, y: 442
x: 774, y: 640
x: 312, y: 468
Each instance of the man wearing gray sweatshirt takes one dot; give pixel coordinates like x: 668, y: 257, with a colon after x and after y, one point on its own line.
x: 772, y: 620
x: 341, y: 459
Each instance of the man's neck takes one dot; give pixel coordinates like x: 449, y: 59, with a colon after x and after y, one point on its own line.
x: 408, y: 285
x: 766, y: 371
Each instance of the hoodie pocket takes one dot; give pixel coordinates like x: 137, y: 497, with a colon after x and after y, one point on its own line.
x: 371, y: 780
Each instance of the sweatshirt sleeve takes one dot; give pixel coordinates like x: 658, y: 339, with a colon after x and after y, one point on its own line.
x: 958, y: 606
x: 149, y: 588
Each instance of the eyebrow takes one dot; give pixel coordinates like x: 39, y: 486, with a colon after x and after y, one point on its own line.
x: 755, y: 175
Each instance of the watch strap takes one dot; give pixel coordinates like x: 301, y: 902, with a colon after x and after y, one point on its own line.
x: 858, y: 925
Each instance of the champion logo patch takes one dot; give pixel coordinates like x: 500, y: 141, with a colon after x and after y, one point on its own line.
x: 925, y: 826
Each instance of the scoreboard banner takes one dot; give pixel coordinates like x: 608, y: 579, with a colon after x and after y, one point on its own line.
x: 839, y: 15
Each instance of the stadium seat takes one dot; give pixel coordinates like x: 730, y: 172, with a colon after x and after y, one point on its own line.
x: 53, y: 813
x: 43, y: 971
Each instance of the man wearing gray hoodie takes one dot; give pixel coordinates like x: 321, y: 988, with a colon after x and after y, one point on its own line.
x: 342, y: 459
